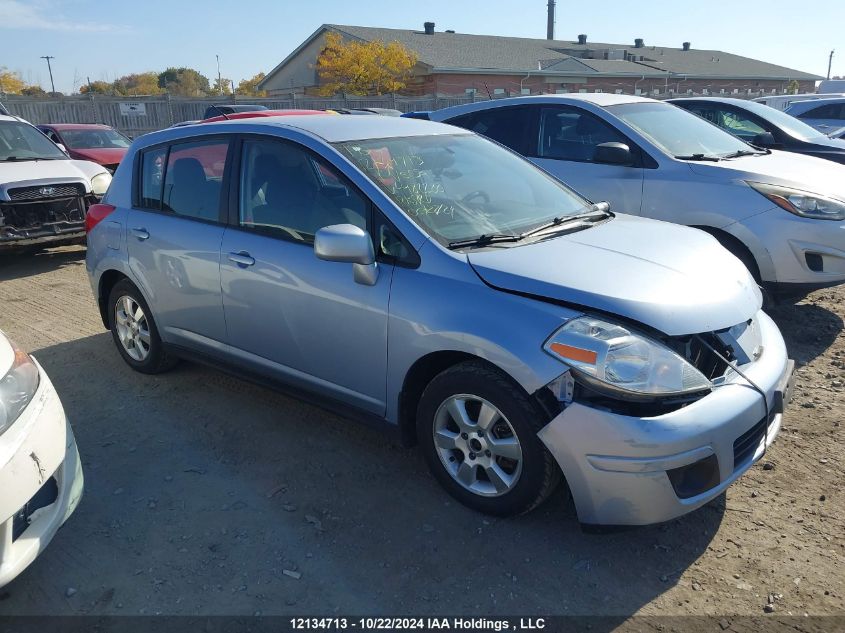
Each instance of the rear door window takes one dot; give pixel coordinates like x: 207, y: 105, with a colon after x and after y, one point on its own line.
x: 194, y: 177
x: 508, y: 126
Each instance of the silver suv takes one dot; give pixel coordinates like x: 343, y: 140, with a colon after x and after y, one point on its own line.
x: 420, y: 275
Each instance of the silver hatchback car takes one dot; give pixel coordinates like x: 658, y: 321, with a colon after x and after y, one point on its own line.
x: 423, y: 276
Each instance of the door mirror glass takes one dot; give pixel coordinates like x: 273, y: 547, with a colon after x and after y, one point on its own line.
x: 62, y: 147
x: 613, y: 154
x: 764, y: 139
x: 344, y: 243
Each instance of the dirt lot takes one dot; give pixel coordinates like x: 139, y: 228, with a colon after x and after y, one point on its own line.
x: 208, y: 495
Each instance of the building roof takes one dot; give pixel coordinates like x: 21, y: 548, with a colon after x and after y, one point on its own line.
x: 466, y: 53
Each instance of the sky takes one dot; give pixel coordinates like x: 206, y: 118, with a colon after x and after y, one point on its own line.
x: 104, y: 39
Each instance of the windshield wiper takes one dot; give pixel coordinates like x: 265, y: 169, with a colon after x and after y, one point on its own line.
x: 18, y: 159
x: 715, y: 159
x: 745, y: 152
x: 597, y: 211
x: 485, y: 239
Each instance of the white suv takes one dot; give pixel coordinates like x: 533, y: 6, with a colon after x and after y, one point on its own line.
x: 43, y: 193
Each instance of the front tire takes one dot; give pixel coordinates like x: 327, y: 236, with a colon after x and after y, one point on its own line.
x: 478, y: 431
x: 134, y: 330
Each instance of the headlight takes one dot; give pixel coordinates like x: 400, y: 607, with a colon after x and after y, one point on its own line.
x: 100, y: 183
x: 17, y: 387
x: 609, y: 357
x: 803, y: 203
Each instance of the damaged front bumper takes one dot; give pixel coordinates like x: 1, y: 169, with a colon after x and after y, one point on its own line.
x: 40, y: 480
x: 625, y: 470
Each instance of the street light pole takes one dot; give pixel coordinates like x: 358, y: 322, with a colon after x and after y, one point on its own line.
x: 50, y: 68
x: 830, y: 63
x: 219, y: 79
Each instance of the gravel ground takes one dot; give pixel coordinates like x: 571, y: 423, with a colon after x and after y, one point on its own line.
x: 209, y: 495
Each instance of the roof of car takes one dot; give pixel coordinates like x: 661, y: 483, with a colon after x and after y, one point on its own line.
x: 76, y: 126
x: 332, y: 129
x: 600, y: 99
x: 809, y: 104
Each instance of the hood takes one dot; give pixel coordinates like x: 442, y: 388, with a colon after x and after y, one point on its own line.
x: 46, y: 172
x: 102, y: 155
x: 815, y: 175
x: 672, y: 278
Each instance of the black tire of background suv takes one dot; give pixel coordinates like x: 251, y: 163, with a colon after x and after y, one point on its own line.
x: 158, y: 359
x: 540, y: 473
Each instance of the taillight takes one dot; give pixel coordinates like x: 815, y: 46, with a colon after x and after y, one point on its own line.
x: 96, y: 213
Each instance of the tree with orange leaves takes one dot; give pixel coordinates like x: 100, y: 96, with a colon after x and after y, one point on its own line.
x: 363, y: 68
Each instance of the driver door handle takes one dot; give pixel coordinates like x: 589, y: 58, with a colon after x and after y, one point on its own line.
x: 141, y: 234
x: 241, y: 259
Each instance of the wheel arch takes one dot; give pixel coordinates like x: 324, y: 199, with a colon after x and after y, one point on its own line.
x: 108, y: 280
x: 423, y: 371
x: 735, y: 244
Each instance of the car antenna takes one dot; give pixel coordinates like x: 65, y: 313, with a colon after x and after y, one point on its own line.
x: 220, y: 110
x: 487, y: 88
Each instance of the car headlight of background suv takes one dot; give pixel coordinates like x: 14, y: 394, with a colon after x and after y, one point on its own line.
x: 610, y: 358
x: 100, y: 183
x: 803, y: 203
x: 17, y: 387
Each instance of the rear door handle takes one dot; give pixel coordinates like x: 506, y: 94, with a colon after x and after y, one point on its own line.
x: 141, y: 234
x: 241, y: 259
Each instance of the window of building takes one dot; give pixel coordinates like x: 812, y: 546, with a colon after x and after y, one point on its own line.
x: 498, y: 91
x: 525, y: 91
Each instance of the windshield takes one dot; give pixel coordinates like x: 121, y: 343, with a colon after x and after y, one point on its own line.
x: 20, y: 141
x: 463, y: 186
x: 784, y: 121
x: 678, y: 132
x: 95, y: 139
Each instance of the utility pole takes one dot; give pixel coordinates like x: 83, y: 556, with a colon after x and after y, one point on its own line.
x: 830, y: 63
x: 550, y: 20
x: 219, y: 79
x: 50, y: 68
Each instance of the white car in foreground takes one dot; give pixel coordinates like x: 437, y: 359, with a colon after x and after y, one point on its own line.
x: 40, y: 472
x: 44, y: 194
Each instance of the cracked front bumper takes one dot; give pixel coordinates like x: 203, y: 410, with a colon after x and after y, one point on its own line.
x: 38, y: 460
x: 622, y: 470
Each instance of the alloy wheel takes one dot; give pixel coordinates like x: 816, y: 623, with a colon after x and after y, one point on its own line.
x: 477, y: 445
x: 133, y: 329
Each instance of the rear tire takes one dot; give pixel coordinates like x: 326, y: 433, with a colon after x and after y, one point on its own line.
x: 134, y: 330
x: 478, y: 432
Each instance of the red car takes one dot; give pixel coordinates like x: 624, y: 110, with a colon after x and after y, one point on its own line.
x: 98, y: 143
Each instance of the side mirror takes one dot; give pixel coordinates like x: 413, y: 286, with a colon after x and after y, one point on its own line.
x: 62, y: 147
x: 350, y: 244
x: 613, y: 154
x: 764, y: 139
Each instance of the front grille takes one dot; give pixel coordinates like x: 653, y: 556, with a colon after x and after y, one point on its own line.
x: 22, y: 219
x: 746, y: 444
x: 703, y: 359
x: 46, y: 495
x: 42, y: 192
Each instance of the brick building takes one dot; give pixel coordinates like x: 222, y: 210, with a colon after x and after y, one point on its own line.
x: 452, y: 63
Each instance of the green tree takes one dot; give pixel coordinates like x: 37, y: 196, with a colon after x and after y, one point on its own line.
x: 38, y: 91
x: 138, y: 84
x: 249, y: 87
x: 793, y: 87
x: 184, y: 82
x: 222, y: 86
x: 97, y: 88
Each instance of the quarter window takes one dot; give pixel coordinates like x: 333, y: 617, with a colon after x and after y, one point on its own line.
x: 152, y: 172
x: 288, y: 192
x: 570, y: 134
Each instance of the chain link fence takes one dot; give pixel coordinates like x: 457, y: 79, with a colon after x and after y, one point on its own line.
x: 138, y: 115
